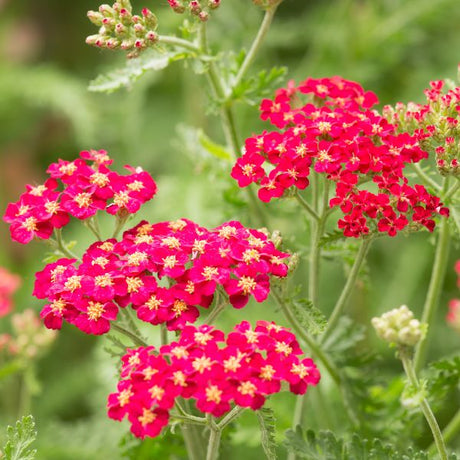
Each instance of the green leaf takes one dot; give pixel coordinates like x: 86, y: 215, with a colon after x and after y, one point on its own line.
x: 346, y: 336
x: 254, y: 88
x: 331, y: 237
x: 266, y: 419
x: 214, y: 149
x: 325, y: 446
x: 19, y: 438
x: 312, y: 319
x: 134, y: 69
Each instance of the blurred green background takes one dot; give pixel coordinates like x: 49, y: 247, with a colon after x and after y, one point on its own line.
x: 393, y: 48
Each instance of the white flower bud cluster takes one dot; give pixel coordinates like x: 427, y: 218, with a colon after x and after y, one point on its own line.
x: 399, y: 327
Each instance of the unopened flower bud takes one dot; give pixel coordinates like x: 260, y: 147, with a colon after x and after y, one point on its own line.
x: 203, y: 16
x: 112, y: 43
x: 213, y: 4
x: 95, y: 17
x: 125, y: 16
x: 92, y: 39
x: 195, y: 7
x: 293, y: 262
x: 120, y: 29
x: 151, y: 36
x: 399, y: 327
x: 453, y: 317
x: 276, y: 238
x: 139, y: 30
x: 106, y: 11
x: 127, y: 44
x: 150, y: 19
x: 177, y: 6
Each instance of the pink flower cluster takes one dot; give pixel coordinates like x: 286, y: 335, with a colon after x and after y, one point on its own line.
x: 194, y: 261
x: 242, y: 369
x: 337, y: 135
x: 78, y: 188
x: 435, y: 124
x: 453, y: 316
x: 9, y: 283
x: 198, y: 8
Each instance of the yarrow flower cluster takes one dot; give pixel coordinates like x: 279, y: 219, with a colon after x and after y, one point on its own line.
x: 120, y: 29
x: 399, y: 327
x: 436, y: 124
x: 337, y: 135
x: 217, y: 371
x: 198, y: 8
x: 194, y: 261
x: 78, y: 188
x: 9, y: 283
x: 453, y: 316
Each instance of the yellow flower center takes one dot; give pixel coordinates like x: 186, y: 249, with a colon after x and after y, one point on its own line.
x: 30, y: 224
x: 247, y: 284
x: 209, y: 272
x: 99, y: 179
x: 136, y: 186
x: 213, y: 394
x: 267, y: 372
x: 179, y: 379
x: 202, y: 364
x: 202, y: 337
x: 121, y: 199
x: 251, y: 254
x: 83, y: 200
x: 247, y: 388
x: 147, y: 417
x: 177, y: 225
x: 52, y: 207
x: 179, y: 307
x: 103, y: 280
x: 282, y: 347
x: 124, y: 396
x: 136, y: 258
x: 95, y: 310
x: 73, y: 283
x: 157, y: 392
x: 134, y: 284
x: 170, y: 261
x: 154, y: 302
x: 171, y: 242
x: 300, y: 370
x: 227, y: 231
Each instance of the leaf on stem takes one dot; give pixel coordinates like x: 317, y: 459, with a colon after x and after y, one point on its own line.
x: 267, y: 425
x: 324, y: 445
x: 133, y: 70
x: 19, y: 438
x: 311, y: 319
x: 214, y: 149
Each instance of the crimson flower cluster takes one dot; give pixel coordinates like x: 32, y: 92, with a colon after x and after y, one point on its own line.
x: 242, y: 369
x: 78, y: 188
x: 337, y: 135
x: 193, y: 260
x: 435, y: 124
x: 198, y: 8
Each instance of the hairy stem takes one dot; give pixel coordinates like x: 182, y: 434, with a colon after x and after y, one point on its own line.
x: 449, y: 431
x: 136, y: 340
x: 215, y: 435
x: 310, y: 211
x: 426, y: 178
x: 434, y: 289
x: 175, y: 41
x: 311, y: 343
x: 424, y: 405
x: 348, y: 288
x: 262, y: 32
x: 61, y: 245
x: 228, y: 122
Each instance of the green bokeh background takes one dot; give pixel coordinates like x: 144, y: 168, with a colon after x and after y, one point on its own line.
x: 393, y: 48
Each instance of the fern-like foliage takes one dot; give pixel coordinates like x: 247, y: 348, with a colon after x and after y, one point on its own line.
x: 324, y: 445
x: 267, y: 425
x: 19, y: 439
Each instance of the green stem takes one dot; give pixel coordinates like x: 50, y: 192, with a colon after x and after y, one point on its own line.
x: 348, y: 288
x: 217, y: 310
x: 91, y: 224
x: 455, y: 216
x: 120, y: 223
x: 215, y: 435
x: 163, y: 335
x: 193, y: 435
x: 187, y: 418
x: 312, y: 344
x: 434, y: 289
x: 449, y: 431
x: 232, y: 415
x: 228, y: 121
x: 311, y: 212
x: 426, y: 178
x: 424, y: 405
x: 175, y: 41
x: 452, y: 191
x: 61, y: 245
x: 262, y: 32
x: 136, y: 340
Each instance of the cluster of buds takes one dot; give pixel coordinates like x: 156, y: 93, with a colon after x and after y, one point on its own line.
x: 29, y: 340
x: 453, y: 316
x: 435, y: 124
x: 194, y: 261
x: 120, y: 29
x: 399, y: 327
x: 198, y: 8
x: 241, y: 369
x: 78, y: 188
x: 334, y: 133
x: 9, y: 283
